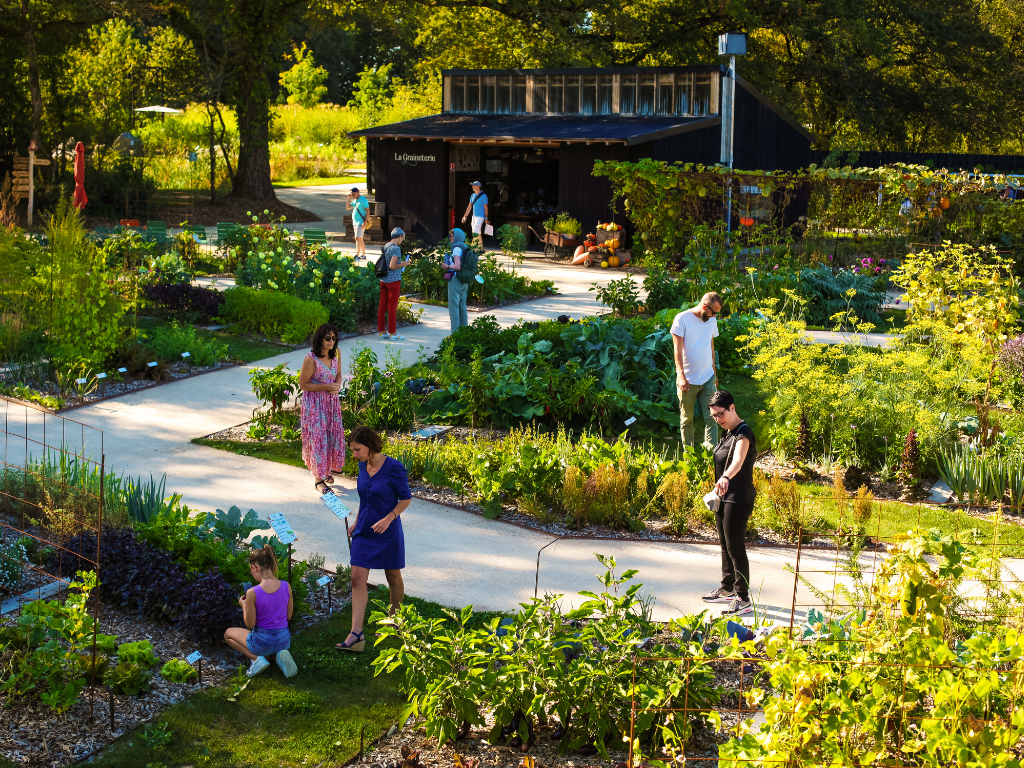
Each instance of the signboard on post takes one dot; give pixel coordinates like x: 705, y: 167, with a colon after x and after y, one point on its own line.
x: 282, y: 528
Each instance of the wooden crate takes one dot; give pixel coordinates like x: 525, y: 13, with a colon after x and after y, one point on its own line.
x: 603, y: 236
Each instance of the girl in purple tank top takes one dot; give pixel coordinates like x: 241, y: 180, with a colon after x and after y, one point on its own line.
x: 266, y: 609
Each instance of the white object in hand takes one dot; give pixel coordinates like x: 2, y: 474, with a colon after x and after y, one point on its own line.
x: 713, y: 501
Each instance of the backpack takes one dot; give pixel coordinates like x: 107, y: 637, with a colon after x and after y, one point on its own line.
x: 380, y: 269
x: 469, y: 262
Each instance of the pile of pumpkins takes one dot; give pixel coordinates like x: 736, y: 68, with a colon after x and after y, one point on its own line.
x: 605, y: 252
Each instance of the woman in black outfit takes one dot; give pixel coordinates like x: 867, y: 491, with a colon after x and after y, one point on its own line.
x: 734, y: 473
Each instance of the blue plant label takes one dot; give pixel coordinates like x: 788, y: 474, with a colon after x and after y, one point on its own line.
x: 80, y: 381
x: 336, y: 505
x: 192, y: 658
x: 192, y: 157
x: 186, y: 354
x: 479, y: 278
x: 122, y: 370
x: 322, y: 580
x: 153, y: 364
x: 282, y: 528
x: 101, y: 375
x: 630, y: 420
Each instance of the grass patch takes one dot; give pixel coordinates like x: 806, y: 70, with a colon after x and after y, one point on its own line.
x: 282, y: 452
x: 891, y: 518
x: 354, y: 180
x: 313, y: 719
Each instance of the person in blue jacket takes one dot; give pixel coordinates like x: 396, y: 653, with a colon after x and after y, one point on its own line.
x: 377, y: 538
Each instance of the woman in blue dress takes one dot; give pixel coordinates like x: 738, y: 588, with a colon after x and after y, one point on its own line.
x: 377, y: 540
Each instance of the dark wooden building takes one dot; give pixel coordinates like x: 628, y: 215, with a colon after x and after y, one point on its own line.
x: 532, y: 136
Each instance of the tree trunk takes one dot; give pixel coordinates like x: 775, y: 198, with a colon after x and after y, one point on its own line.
x: 33, y: 77
x: 252, y: 106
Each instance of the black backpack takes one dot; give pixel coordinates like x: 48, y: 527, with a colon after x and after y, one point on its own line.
x: 380, y: 269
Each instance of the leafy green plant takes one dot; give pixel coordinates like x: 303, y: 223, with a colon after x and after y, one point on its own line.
x: 157, y: 736
x: 139, y: 653
x: 233, y: 529
x: 144, y: 501
x: 564, y: 223
x: 623, y: 295
x: 171, y: 341
x: 273, y: 386
x: 273, y: 314
x: 179, y: 671
x: 128, y: 679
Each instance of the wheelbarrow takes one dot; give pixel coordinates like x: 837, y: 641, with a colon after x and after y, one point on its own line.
x: 556, y: 242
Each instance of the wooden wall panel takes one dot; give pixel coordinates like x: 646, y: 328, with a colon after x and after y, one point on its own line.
x: 411, y: 178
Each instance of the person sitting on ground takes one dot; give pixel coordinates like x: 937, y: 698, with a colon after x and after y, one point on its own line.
x: 266, y: 609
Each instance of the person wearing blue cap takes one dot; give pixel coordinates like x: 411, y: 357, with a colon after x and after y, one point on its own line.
x: 478, y: 208
x: 360, y: 208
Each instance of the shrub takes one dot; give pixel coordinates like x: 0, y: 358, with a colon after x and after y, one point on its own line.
x: 170, y: 341
x: 193, y: 302
x: 273, y: 314
x: 178, y: 671
x: 128, y: 679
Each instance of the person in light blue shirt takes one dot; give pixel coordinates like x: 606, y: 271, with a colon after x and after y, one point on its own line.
x: 360, y: 208
x: 478, y: 207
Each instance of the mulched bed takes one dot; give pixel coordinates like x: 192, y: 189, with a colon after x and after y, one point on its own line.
x: 32, y: 734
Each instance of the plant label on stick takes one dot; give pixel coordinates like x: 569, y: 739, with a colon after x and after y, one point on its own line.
x: 322, y: 580
x: 153, y: 364
x: 122, y: 370
x: 630, y: 420
x: 192, y: 658
x: 80, y: 381
x: 186, y: 354
x: 336, y: 505
x: 282, y: 528
x: 101, y: 375
x: 479, y: 278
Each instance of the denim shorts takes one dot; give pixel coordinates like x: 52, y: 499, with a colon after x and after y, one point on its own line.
x: 265, y: 642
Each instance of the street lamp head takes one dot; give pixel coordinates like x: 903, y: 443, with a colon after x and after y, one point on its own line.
x: 732, y: 44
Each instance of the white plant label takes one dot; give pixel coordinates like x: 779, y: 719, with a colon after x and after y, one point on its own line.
x: 122, y: 370
x: 282, y: 528
x: 630, y: 420
x: 152, y: 365
x: 101, y: 375
x: 193, y: 657
x: 186, y: 354
x: 80, y: 381
x: 322, y: 580
x: 336, y: 505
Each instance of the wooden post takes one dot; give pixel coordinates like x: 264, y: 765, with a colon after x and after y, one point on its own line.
x: 31, y: 181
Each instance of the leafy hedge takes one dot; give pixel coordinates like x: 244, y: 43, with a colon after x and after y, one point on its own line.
x: 273, y: 314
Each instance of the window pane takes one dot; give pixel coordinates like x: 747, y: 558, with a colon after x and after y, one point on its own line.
x: 555, y: 93
x: 540, y: 93
x: 702, y: 95
x: 487, y: 94
x: 665, y: 104
x: 459, y: 93
x: 627, y: 94
x: 604, y: 94
x: 473, y: 93
x: 646, y: 101
x: 504, y: 95
x: 519, y: 94
x: 684, y: 84
x: 572, y: 94
x: 589, y: 103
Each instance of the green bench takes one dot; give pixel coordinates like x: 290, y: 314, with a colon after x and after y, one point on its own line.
x: 198, y: 232
x: 157, y: 230
x: 315, y: 236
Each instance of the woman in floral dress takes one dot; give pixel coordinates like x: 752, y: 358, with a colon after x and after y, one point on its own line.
x: 323, y: 437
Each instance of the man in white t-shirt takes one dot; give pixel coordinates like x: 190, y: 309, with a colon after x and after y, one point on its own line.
x: 693, y: 336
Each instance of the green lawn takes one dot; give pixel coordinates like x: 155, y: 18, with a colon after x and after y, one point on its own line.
x: 282, y: 452
x: 354, y: 180
x: 314, y: 719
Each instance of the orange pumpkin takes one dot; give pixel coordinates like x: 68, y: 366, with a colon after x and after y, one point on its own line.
x: 613, y: 261
x: 944, y: 203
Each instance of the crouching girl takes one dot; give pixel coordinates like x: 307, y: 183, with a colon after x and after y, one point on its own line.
x: 266, y: 609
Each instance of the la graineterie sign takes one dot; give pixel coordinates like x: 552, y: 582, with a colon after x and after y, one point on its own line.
x: 406, y: 159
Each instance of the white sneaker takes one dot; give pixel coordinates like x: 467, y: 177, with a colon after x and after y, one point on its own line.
x: 383, y: 337
x: 738, y: 607
x: 287, y: 664
x: 397, y: 337
x: 257, y: 666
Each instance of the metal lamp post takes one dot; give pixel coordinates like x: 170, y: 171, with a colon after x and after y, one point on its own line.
x: 731, y: 44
